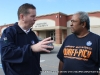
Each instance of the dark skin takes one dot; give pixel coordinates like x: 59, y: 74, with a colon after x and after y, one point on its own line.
x: 60, y: 67
x: 77, y: 28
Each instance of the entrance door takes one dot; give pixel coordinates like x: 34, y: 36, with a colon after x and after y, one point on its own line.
x: 52, y: 35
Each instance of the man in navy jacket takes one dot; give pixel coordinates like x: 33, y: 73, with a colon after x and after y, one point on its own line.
x: 20, y: 49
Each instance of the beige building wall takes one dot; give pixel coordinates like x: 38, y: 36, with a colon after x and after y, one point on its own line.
x: 42, y: 34
x: 95, y: 30
x: 63, y: 37
x: 68, y: 28
x: 95, y: 25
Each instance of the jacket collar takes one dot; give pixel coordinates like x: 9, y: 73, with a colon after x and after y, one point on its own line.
x: 19, y: 30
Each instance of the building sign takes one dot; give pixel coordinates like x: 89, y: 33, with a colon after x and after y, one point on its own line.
x: 44, y: 23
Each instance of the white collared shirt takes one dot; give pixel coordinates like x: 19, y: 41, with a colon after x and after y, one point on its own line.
x: 26, y: 31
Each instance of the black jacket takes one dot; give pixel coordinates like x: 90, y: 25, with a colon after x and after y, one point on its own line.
x: 16, y: 55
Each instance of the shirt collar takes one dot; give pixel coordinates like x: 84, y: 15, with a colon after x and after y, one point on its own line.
x: 19, y: 29
x: 26, y: 31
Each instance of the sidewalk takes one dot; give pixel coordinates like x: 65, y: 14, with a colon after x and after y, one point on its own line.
x: 57, y: 44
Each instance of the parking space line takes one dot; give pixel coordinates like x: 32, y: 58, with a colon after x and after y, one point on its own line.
x: 49, y: 66
x: 42, y: 60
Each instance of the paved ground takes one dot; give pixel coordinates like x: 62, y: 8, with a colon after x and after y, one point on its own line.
x: 1, y: 72
x: 50, y: 65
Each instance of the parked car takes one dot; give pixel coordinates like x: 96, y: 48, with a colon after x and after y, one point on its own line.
x: 50, y: 44
x: 39, y: 39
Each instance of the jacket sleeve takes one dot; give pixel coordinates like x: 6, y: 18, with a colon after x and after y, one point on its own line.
x: 99, y: 55
x: 12, y: 53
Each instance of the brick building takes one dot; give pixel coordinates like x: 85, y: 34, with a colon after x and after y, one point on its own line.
x: 57, y: 25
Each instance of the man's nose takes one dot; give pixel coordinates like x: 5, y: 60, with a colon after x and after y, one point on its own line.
x: 71, y: 24
x: 34, y: 18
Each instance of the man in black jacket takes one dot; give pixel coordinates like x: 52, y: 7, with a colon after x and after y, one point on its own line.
x: 20, y: 49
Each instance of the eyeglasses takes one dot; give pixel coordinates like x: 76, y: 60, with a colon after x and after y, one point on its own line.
x: 73, y: 21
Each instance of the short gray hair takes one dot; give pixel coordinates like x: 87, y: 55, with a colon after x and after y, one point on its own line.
x: 84, y: 18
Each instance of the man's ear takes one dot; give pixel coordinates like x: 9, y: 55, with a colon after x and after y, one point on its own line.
x: 21, y: 16
x: 84, y: 24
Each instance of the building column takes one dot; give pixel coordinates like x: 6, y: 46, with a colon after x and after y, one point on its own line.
x: 58, y: 36
x: 65, y: 33
x: 37, y: 33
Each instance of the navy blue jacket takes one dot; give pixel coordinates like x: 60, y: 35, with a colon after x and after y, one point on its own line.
x: 16, y: 55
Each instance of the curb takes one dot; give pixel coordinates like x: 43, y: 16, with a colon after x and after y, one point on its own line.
x: 57, y: 44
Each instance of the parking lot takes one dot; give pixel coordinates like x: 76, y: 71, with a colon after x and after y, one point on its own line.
x: 50, y: 64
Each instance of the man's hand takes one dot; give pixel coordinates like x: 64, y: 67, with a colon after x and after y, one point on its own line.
x: 42, y: 45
